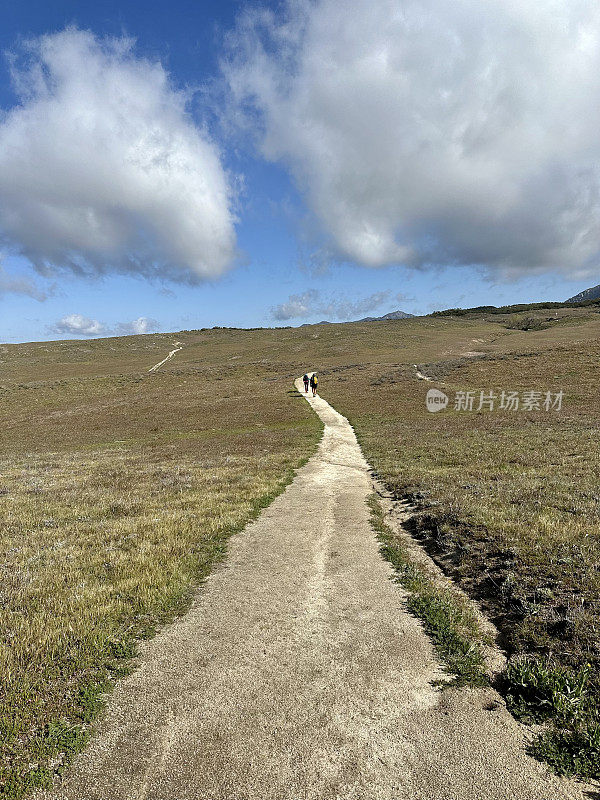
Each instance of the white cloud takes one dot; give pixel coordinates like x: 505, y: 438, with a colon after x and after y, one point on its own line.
x: 137, y: 326
x: 309, y: 304
x: 342, y: 308
x: 428, y: 131
x: 102, y: 169
x: 297, y: 305
x: 79, y: 325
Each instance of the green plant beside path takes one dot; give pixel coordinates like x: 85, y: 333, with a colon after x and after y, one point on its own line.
x: 445, y: 615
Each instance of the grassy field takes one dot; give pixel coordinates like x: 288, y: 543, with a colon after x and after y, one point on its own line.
x: 119, y: 489
x: 507, y: 501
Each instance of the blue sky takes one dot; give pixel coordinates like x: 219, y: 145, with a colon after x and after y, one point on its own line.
x: 285, y: 213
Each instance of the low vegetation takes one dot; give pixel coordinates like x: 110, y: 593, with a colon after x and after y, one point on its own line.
x: 507, y: 500
x: 120, y: 488
x: 541, y: 690
x: 106, y: 535
x: 445, y: 615
x: 522, y: 322
x: 516, y: 308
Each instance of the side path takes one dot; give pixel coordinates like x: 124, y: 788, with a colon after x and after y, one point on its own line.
x: 298, y: 675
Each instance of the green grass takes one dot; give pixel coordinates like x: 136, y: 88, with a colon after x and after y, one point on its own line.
x: 543, y: 691
x: 446, y: 617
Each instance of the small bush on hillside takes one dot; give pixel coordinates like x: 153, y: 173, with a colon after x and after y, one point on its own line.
x: 527, y: 324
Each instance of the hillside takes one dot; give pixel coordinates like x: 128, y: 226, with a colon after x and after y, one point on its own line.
x: 593, y: 293
x: 120, y: 488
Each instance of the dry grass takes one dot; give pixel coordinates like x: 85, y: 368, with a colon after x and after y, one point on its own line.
x: 107, y: 534
x: 120, y: 488
x: 508, y: 502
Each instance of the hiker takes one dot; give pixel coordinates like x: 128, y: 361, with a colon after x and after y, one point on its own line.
x: 305, y: 379
x: 313, y: 383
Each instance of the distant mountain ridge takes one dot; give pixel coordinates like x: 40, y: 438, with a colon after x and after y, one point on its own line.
x: 391, y: 315
x: 593, y: 293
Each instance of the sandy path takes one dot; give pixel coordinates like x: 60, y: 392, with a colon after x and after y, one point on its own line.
x: 420, y: 375
x: 164, y: 361
x: 297, y: 674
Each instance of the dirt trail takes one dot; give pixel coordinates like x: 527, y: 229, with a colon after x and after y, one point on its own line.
x: 420, y: 375
x: 297, y: 675
x: 164, y: 361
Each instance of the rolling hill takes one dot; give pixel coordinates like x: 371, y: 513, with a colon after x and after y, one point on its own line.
x: 121, y: 486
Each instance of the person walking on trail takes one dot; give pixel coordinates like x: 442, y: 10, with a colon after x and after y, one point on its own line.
x: 305, y: 379
x: 314, y: 382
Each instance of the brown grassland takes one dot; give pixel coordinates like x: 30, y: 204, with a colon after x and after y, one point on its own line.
x: 508, y: 502
x: 118, y: 492
x: 120, y: 488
